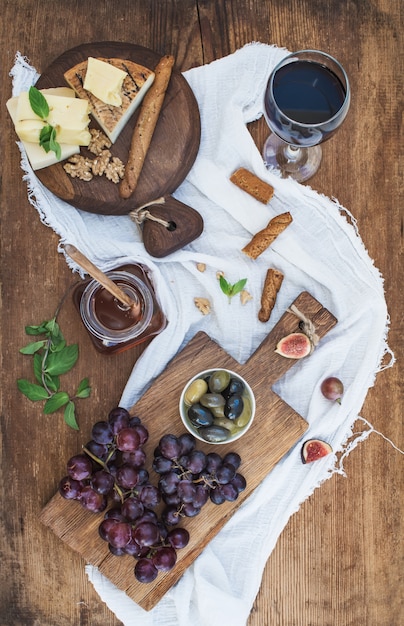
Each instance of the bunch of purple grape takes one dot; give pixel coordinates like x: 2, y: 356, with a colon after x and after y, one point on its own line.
x: 189, y: 477
x: 111, y: 466
x: 111, y: 469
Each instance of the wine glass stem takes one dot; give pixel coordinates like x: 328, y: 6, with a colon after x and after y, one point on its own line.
x: 292, y: 153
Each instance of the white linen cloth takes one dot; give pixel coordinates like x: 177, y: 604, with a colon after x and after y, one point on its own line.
x: 321, y: 252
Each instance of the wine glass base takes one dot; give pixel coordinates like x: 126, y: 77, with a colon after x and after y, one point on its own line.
x: 294, y: 161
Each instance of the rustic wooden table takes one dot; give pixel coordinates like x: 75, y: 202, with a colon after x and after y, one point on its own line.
x: 338, y: 561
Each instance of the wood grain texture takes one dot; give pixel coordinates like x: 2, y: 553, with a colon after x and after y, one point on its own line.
x: 275, y: 429
x: 339, y: 560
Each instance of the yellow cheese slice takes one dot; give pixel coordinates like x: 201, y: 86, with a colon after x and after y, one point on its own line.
x: 112, y: 119
x: 35, y: 153
x: 104, y: 81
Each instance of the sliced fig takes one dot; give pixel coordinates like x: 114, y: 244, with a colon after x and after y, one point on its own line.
x: 294, y: 346
x: 315, y: 449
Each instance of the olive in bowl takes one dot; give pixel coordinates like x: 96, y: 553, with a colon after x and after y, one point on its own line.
x: 217, y: 406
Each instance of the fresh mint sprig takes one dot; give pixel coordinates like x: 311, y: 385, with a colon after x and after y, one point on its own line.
x: 230, y: 290
x: 47, y: 136
x: 52, y: 358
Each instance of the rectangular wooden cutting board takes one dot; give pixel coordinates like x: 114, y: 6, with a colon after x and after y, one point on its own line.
x: 276, y: 428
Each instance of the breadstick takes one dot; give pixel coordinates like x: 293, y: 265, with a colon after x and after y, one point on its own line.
x: 263, y: 239
x: 249, y: 182
x: 145, y: 125
x: 272, y: 284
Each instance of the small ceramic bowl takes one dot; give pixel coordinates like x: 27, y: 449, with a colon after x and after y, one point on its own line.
x: 209, y: 423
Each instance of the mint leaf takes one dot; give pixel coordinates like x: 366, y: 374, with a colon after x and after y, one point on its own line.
x: 230, y: 290
x: 55, y: 402
x: 54, y: 145
x: 38, y: 103
x: 33, y: 347
x: 70, y: 416
x: 61, y: 362
x: 84, y: 389
x: 31, y: 391
x: 36, y: 330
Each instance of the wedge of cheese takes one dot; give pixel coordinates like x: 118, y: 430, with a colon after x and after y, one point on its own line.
x: 136, y: 83
x: 104, y: 81
x: 35, y: 153
x: 69, y: 116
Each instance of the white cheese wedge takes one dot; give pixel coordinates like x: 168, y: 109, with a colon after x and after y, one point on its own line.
x: 112, y: 119
x: 104, y: 81
x: 69, y: 116
x: 35, y: 153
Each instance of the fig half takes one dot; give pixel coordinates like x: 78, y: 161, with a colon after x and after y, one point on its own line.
x: 294, y: 346
x: 315, y: 449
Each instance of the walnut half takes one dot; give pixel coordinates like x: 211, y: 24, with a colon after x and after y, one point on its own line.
x: 203, y: 305
x: 79, y: 166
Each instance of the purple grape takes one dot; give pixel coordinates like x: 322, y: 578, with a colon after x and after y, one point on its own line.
x: 225, y: 473
x: 142, y: 432
x: 101, y: 432
x: 133, y: 549
x: 201, y: 496
x: 102, y: 482
x: 168, y: 483
x: 178, y: 538
x: 171, y: 498
x: 187, y: 443
x: 137, y: 458
x: 170, y: 447
x: 148, y: 516
x: 132, y: 508
x: 134, y: 421
x: 162, y: 465
x: 119, y: 534
x: 239, y: 482
x: 93, y: 501
x: 143, y: 476
x: 186, y: 490
x: 100, y: 450
x: 150, y: 496
x: 105, y: 526
x: 145, y: 571
x: 69, y: 488
x: 197, y: 461
x: 216, y: 495
x: 233, y: 458
x: 190, y: 510
x: 118, y: 418
x: 79, y: 467
x: 116, y: 551
x: 170, y: 515
x: 128, y: 440
x: 230, y: 492
x: 213, y: 461
x: 127, y: 476
x: 164, y: 558
x: 146, y: 534
x: 116, y: 514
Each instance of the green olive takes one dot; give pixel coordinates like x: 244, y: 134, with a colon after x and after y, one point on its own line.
x: 195, y: 391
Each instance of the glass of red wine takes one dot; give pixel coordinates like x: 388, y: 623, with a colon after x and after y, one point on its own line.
x: 306, y: 99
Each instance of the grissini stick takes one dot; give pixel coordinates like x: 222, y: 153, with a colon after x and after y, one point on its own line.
x: 263, y: 239
x: 272, y: 284
x: 145, y: 126
x: 99, y: 276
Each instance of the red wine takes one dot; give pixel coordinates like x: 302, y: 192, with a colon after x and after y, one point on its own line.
x: 306, y: 96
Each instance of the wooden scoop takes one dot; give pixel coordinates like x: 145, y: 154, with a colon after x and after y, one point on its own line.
x: 99, y: 276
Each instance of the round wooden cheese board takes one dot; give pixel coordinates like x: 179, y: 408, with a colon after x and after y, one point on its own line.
x: 172, y: 152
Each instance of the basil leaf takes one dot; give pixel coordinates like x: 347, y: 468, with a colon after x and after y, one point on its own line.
x: 69, y: 415
x: 55, y: 402
x: 38, y: 103
x: 224, y: 285
x: 36, y: 330
x: 54, y: 145
x: 31, y: 391
x: 84, y: 389
x: 44, y: 137
x: 32, y: 347
x: 238, y: 286
x: 61, y: 362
